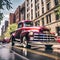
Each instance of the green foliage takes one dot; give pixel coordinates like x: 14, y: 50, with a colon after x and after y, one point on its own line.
x: 13, y: 27
x: 57, y: 12
x: 1, y: 17
x: 6, y: 3
x: 3, y: 4
x: 1, y: 37
x: 10, y: 28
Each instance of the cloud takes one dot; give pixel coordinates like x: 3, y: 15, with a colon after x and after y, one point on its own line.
x: 6, y: 17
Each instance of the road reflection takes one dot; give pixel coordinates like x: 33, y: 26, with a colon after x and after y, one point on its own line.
x: 6, y: 53
x: 37, y: 54
x: 20, y: 53
x: 25, y: 51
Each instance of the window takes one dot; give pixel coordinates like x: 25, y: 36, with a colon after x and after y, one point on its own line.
x: 48, y: 6
x: 27, y: 2
x: 20, y: 25
x: 37, y: 23
x: 56, y: 2
x: 36, y: 1
x: 57, y: 15
x: 42, y: 1
x: 31, y: 0
x: 38, y: 13
x: 31, y: 5
x: 28, y: 9
x: 42, y: 21
x: 47, y: 1
x: 31, y: 13
x: 42, y: 9
x: 48, y: 18
x: 38, y: 6
x: 35, y: 8
x: 28, y: 24
x: 28, y: 16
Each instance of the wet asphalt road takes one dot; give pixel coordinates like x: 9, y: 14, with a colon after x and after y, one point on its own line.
x: 18, y: 53
x: 6, y: 53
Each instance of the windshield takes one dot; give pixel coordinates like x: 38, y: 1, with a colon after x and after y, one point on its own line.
x: 28, y: 24
x: 20, y: 25
x: 46, y: 31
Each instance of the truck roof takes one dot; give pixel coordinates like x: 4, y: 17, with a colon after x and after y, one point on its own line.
x: 24, y: 21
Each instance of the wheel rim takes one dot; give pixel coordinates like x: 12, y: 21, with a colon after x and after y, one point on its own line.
x: 24, y: 42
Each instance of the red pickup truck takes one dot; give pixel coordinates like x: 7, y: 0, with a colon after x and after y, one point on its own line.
x: 28, y: 34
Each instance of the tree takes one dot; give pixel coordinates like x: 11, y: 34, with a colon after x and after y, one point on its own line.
x: 1, y: 17
x: 58, y: 11
x: 4, y: 3
x: 10, y: 29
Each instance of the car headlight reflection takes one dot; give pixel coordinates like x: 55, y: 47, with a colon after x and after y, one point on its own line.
x: 31, y: 33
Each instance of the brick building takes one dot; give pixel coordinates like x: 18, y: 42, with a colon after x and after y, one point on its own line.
x: 17, y: 14
x: 12, y: 18
x: 22, y: 10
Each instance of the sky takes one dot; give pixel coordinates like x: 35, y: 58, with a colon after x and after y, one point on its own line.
x: 15, y: 4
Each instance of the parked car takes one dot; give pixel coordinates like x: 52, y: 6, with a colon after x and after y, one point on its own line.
x: 6, y: 40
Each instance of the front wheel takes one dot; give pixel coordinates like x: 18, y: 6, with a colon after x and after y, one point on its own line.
x: 25, y: 43
x: 48, y: 47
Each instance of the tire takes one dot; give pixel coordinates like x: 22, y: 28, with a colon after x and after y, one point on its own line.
x: 25, y: 43
x: 13, y: 43
x: 48, y: 47
x: 12, y: 38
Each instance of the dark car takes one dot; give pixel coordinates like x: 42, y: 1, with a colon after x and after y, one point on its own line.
x: 6, y: 40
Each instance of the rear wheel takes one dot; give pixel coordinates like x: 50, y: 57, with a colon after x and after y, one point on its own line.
x: 12, y: 38
x: 25, y: 43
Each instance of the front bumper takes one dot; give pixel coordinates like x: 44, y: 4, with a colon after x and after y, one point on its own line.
x: 42, y: 39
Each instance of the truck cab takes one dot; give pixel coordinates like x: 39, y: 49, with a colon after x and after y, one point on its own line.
x: 28, y: 34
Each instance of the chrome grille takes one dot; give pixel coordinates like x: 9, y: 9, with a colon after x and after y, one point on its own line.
x: 44, y: 37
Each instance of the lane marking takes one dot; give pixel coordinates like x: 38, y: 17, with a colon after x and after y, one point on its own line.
x: 40, y: 53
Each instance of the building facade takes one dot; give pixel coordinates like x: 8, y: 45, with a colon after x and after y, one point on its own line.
x: 43, y: 13
x: 22, y: 10
x: 20, y: 13
x: 17, y: 14
x: 6, y: 24
x: 30, y: 9
x: 11, y: 18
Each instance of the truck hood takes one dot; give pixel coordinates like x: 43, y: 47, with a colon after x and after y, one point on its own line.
x: 34, y: 29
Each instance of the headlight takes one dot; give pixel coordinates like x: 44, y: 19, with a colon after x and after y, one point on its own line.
x: 31, y: 33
